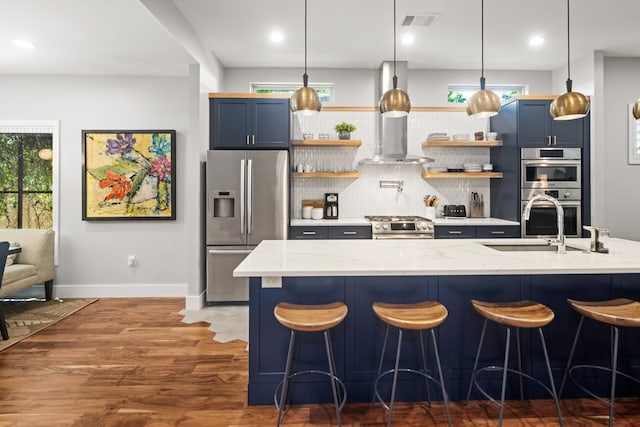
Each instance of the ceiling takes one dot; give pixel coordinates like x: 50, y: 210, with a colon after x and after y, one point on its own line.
x: 130, y: 37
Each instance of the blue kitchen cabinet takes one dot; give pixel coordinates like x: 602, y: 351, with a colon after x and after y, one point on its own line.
x: 537, y: 129
x: 249, y: 123
x: 476, y: 231
x: 330, y: 232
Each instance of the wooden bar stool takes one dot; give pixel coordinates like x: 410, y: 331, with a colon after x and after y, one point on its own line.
x: 310, y: 318
x: 616, y: 313
x: 518, y: 314
x: 421, y: 316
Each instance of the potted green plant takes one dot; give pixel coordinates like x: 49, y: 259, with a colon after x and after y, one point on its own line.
x: 344, y: 130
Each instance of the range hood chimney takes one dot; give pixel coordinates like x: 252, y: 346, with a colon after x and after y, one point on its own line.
x: 393, y: 131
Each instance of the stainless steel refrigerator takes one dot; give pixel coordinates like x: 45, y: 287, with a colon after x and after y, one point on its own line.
x: 247, y: 201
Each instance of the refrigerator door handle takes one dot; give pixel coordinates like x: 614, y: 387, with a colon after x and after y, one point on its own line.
x: 230, y: 251
x: 250, y: 196
x: 242, y: 196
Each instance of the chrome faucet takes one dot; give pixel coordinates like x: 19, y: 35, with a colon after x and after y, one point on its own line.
x: 559, y: 241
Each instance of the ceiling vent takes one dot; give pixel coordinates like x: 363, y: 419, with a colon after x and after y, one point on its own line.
x: 421, y: 20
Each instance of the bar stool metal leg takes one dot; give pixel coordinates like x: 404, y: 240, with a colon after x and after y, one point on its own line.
x: 614, y: 367
x: 444, y: 392
x: 504, y: 376
x: 287, y: 372
x: 553, y: 386
x: 519, y: 363
x: 332, y: 371
x: 475, y: 364
x: 395, y: 378
x: 384, y: 349
x: 573, y: 348
x: 424, y: 366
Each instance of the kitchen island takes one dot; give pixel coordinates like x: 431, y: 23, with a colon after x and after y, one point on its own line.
x: 360, y: 272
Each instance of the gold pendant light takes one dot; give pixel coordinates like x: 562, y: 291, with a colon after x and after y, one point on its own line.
x: 483, y: 103
x: 395, y: 102
x: 570, y: 105
x: 305, y: 101
x: 636, y: 110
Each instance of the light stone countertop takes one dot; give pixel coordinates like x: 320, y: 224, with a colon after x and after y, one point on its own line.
x: 297, y: 222
x: 431, y: 257
x: 473, y: 221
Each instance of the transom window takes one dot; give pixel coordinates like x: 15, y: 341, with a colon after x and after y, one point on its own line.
x: 460, y: 94
x: 324, y: 90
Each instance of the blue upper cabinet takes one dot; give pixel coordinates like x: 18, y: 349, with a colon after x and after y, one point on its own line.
x: 246, y: 123
x: 536, y: 128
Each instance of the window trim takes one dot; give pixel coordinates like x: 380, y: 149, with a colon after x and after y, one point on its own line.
x: 52, y: 126
x: 524, y: 89
x: 292, y: 86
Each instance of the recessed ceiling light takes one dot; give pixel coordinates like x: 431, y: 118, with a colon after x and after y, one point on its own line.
x: 408, y: 39
x: 24, y: 44
x: 276, y: 36
x: 536, y: 41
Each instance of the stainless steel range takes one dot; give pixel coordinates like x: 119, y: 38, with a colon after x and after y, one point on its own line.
x: 400, y: 227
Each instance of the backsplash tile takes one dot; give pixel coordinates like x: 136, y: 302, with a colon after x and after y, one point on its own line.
x: 363, y: 196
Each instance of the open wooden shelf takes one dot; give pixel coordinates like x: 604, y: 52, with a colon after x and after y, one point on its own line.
x: 462, y: 175
x: 468, y: 143
x: 326, y: 174
x: 326, y: 142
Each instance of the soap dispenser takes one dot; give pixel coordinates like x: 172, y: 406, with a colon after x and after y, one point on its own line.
x: 599, y: 236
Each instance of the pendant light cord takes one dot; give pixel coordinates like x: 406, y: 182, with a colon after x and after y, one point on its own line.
x: 305, y: 36
x: 482, y: 38
x: 568, y: 46
x: 394, y: 38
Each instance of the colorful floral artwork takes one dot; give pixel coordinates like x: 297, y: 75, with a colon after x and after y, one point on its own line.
x: 128, y: 174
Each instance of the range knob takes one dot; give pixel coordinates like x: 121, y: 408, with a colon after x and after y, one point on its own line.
x: 377, y: 227
x: 567, y: 194
x: 385, y: 227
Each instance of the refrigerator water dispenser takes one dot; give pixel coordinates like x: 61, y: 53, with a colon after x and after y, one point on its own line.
x: 223, y: 204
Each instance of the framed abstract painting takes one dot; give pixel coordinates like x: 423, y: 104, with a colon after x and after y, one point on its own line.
x: 128, y: 175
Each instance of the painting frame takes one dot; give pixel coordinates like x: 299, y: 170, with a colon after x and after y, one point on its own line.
x: 128, y: 175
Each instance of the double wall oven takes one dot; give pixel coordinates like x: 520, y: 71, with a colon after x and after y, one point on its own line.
x: 556, y: 172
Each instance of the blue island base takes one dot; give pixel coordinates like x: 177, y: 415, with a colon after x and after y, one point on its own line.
x: 358, y: 340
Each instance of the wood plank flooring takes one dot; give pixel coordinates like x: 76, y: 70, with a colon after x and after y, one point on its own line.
x: 132, y: 362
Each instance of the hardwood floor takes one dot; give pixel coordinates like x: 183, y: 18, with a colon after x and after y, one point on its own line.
x: 132, y: 362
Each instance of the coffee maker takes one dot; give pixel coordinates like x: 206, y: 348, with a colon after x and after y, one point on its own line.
x: 330, y: 205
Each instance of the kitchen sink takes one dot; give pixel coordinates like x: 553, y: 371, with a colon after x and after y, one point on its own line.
x: 526, y: 247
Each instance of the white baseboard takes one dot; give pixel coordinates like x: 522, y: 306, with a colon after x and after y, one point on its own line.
x: 120, y: 290
x: 195, y: 302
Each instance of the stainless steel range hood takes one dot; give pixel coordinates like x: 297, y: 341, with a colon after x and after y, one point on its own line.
x: 392, y: 149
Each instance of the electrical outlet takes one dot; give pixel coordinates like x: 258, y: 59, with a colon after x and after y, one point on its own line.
x: 131, y: 260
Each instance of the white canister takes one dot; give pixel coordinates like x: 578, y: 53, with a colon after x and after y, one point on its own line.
x: 306, y: 212
x: 316, y: 213
x: 430, y: 212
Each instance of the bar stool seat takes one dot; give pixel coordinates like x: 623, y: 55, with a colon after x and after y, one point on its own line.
x: 310, y: 318
x: 517, y: 314
x: 421, y: 316
x: 617, y: 312
x: 620, y: 312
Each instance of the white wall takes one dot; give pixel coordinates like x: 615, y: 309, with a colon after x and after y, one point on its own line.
x: 620, y: 197
x: 93, y: 255
x: 582, y: 76
x: 359, y: 87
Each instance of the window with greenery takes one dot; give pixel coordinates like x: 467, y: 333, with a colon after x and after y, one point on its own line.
x: 460, y: 94
x: 324, y: 90
x: 26, y: 180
